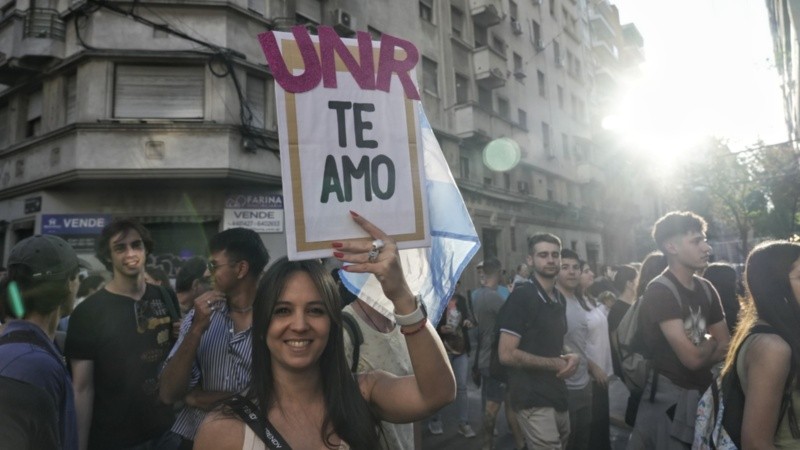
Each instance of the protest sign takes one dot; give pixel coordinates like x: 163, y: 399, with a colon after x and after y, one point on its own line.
x: 349, y: 138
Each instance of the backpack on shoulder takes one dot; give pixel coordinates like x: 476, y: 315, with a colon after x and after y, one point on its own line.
x: 634, y: 356
x: 720, y: 411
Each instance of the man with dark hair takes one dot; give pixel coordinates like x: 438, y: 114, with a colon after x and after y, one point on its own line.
x: 579, y: 386
x: 532, y: 325
x: 212, y: 357
x: 674, y: 331
x: 117, y: 340
x: 191, y: 282
x: 42, y: 277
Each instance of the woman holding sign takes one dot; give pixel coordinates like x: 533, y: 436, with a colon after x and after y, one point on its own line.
x: 303, y: 395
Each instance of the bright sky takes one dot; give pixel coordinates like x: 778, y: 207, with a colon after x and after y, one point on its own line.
x: 709, y: 71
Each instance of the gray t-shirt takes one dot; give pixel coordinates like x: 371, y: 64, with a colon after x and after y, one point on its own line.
x: 486, y: 302
x: 576, y: 339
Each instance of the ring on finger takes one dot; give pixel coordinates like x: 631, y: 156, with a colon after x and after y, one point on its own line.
x: 372, y: 256
x: 377, y: 245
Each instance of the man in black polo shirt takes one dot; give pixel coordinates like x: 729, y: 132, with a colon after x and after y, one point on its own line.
x: 532, y: 326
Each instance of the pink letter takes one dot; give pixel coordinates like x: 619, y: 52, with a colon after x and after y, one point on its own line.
x: 292, y: 83
x: 387, y: 64
x: 330, y: 44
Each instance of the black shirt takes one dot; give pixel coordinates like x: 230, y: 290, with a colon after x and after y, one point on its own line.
x: 540, y: 322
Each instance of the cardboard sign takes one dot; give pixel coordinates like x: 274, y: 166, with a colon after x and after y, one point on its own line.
x: 349, y: 138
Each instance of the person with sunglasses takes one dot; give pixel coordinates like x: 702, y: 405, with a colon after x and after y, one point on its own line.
x: 211, y: 359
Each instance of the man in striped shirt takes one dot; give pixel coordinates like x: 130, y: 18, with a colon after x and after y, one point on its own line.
x: 211, y: 359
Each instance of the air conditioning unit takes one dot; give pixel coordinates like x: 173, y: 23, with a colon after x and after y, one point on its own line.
x: 540, y: 45
x: 537, y: 2
x: 519, y: 74
x: 344, y: 22
x: 498, y: 73
x: 561, y: 61
x: 516, y: 27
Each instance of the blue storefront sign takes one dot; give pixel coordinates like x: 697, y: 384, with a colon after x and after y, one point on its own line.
x: 79, y: 230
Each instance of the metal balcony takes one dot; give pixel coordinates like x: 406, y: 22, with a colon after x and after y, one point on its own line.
x: 489, y: 67
x: 486, y: 13
x: 473, y: 123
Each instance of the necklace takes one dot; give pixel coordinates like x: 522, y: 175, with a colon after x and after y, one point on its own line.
x: 241, y: 310
x: 384, y: 329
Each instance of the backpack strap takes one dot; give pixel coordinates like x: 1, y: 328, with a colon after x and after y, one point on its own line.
x: 170, y: 303
x: 663, y: 280
x: 31, y: 337
x: 251, y: 415
x: 356, y: 337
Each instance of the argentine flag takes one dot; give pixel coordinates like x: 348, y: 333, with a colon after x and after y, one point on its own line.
x: 433, y: 271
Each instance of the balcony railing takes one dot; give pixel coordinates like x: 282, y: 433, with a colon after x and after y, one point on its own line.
x: 44, y: 23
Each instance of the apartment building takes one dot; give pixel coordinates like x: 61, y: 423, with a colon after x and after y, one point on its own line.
x: 164, y: 111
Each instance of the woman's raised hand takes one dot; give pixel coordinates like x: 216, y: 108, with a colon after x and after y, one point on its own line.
x: 378, y: 256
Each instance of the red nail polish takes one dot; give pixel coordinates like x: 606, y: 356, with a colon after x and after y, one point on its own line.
x: 338, y: 254
x: 353, y: 213
x: 346, y: 268
x: 337, y: 245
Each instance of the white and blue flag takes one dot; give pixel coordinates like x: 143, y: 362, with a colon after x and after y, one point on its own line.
x: 433, y: 271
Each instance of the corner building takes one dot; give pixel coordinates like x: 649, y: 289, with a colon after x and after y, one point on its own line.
x: 160, y: 110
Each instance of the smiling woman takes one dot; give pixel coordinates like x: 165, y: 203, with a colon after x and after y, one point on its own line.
x: 302, y: 393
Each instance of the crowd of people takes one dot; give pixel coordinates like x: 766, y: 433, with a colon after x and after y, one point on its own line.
x: 238, y: 353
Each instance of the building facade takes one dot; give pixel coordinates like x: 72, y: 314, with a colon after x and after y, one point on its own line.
x: 162, y: 110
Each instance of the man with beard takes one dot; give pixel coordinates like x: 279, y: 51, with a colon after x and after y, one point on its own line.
x: 532, y: 325
x: 117, y: 340
x: 674, y: 331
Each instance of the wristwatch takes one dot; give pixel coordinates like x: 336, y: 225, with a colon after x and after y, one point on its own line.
x: 417, y: 316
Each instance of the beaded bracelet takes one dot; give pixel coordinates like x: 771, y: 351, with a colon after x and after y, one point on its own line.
x: 416, y: 330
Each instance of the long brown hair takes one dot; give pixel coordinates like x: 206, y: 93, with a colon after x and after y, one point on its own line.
x: 347, y: 413
x: 769, y: 297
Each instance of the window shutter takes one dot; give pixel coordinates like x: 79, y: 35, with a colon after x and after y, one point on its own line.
x: 168, y: 92
x: 71, y: 91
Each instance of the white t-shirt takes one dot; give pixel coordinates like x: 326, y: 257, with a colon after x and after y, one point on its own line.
x: 598, y: 348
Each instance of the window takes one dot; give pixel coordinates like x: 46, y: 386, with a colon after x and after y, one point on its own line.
x: 542, y: 87
x: 462, y: 89
x: 551, y: 196
x: 430, y: 76
x: 507, y: 181
x: 464, y: 168
x: 257, y: 100
x: 565, y: 15
x: 574, y: 102
x: 537, y: 34
x: 503, y: 108
x: 565, y: 146
x: 488, y: 181
x: 33, y: 123
x: 560, y: 97
x: 170, y: 92
x: 513, y: 11
x: 485, y: 98
x: 481, y: 36
x: 518, y: 70
x: 557, y: 53
x: 457, y: 22
x: 426, y: 10
x: 70, y: 97
x: 577, y: 68
x: 522, y: 118
x: 553, y: 8
x: 4, y: 140
x: 498, y: 44
x: 570, y: 62
x: 546, y: 139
